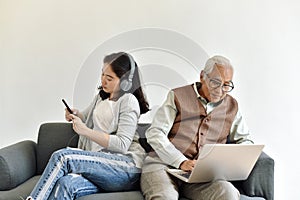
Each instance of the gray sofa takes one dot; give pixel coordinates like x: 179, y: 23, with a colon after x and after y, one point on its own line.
x: 22, y: 163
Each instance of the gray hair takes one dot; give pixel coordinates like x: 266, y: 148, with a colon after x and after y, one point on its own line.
x: 216, y: 60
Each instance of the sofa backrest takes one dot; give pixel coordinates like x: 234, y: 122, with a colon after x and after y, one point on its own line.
x: 142, y: 127
x: 51, y: 137
x: 56, y: 135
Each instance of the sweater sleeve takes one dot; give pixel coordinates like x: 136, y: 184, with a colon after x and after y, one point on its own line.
x: 129, y: 113
x: 87, y: 119
x: 157, y: 134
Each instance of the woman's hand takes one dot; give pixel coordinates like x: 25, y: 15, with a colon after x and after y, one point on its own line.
x: 81, y: 129
x: 187, y: 165
x: 78, y: 126
x: 68, y: 116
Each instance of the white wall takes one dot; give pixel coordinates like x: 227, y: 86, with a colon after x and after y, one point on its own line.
x: 43, y: 45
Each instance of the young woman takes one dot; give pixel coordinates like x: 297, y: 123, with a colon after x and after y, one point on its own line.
x: 109, y: 156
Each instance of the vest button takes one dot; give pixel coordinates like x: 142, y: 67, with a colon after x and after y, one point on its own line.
x: 201, y: 133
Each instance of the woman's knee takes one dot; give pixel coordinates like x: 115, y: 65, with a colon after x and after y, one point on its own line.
x: 59, y: 153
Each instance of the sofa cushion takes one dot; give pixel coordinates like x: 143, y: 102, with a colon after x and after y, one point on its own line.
x: 244, y: 197
x: 131, y: 195
x: 53, y: 136
x: 141, y: 129
x: 21, y: 191
x: 261, y: 179
x: 137, y: 195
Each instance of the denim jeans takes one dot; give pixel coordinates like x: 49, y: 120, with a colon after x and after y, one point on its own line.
x: 72, y: 173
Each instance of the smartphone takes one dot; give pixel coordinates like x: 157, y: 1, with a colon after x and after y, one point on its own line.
x: 68, y: 108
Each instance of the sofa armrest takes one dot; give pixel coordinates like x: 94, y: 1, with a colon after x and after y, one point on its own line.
x: 260, y: 182
x: 17, y: 164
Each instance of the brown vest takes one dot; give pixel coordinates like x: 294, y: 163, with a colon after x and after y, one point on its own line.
x: 193, y: 127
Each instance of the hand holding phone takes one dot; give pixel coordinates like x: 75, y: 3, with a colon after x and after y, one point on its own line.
x: 68, y: 108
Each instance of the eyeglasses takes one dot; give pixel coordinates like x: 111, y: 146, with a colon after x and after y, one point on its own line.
x: 215, y: 83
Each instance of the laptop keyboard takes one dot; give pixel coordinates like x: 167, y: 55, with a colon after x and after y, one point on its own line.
x: 185, y: 174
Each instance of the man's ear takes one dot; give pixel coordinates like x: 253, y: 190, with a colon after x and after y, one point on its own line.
x: 201, y: 75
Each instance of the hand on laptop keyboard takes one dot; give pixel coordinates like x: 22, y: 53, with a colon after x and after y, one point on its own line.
x: 187, y: 165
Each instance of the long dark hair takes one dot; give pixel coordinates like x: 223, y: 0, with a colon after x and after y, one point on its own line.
x: 120, y: 64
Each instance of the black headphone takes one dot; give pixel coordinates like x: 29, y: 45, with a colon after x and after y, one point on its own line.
x: 126, y: 84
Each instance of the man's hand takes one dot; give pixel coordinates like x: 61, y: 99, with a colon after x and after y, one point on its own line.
x: 187, y: 165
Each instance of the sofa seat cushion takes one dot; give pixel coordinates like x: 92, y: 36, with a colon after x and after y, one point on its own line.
x: 137, y: 195
x: 24, y: 190
x: 244, y: 197
x: 21, y: 191
x: 131, y: 195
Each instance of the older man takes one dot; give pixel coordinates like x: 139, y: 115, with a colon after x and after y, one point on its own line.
x: 191, y: 116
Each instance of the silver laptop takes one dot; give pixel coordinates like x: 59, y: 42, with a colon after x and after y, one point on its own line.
x: 222, y: 161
